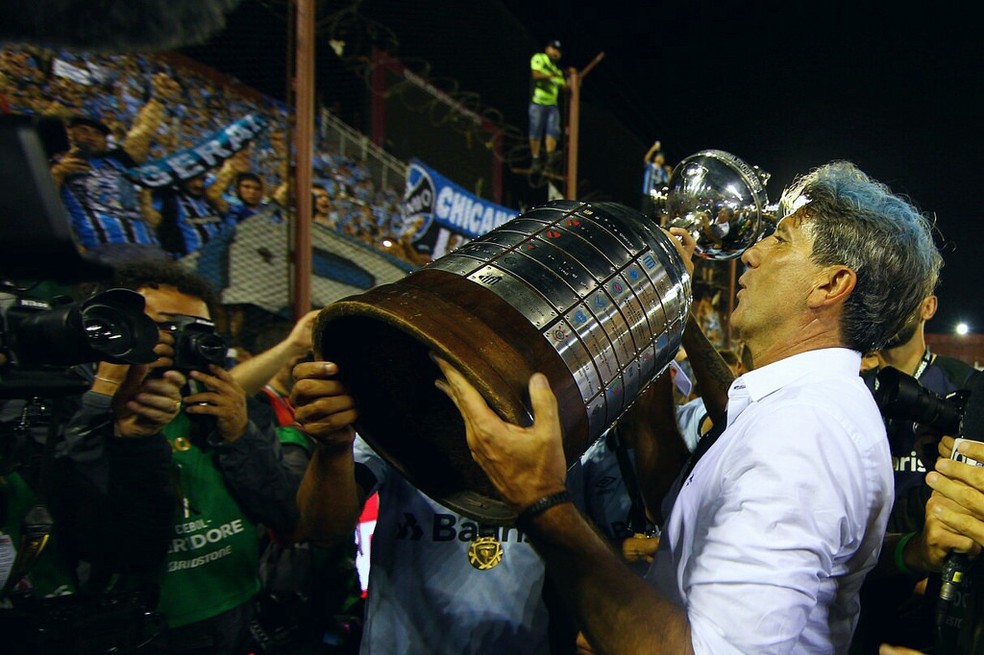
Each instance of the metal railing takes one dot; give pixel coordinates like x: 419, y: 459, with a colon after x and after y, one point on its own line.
x: 387, y: 171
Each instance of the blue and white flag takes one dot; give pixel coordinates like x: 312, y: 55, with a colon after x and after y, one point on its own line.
x: 435, y: 209
x: 205, y: 155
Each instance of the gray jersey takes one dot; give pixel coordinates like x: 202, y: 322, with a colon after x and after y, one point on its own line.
x: 689, y: 417
x: 606, y: 498
x: 443, y: 583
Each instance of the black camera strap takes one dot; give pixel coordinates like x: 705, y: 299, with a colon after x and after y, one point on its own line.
x: 923, y: 363
x: 637, y: 521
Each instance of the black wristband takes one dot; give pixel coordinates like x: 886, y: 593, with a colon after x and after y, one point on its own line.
x: 524, y: 518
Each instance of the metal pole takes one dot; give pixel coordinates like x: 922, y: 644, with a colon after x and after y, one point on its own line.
x: 574, y: 120
x: 303, y: 147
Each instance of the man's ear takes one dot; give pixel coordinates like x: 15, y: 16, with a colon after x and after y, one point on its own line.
x: 834, y: 285
x: 928, y: 307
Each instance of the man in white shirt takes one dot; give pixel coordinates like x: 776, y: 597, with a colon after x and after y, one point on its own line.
x: 774, y: 527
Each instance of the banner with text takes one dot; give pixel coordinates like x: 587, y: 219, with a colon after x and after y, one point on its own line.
x: 442, y: 215
x: 205, y: 155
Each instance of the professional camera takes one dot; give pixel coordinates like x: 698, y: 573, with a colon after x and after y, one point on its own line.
x: 39, y: 340
x: 41, y: 344
x: 196, y: 344
x: 958, y: 414
x: 900, y: 396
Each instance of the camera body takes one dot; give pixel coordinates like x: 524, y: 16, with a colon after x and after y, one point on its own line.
x: 959, y: 414
x: 901, y: 396
x: 196, y: 343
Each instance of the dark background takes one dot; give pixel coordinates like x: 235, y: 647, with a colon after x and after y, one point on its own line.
x: 783, y: 85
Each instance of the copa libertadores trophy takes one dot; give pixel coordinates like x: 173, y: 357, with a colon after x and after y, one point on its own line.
x: 594, y: 295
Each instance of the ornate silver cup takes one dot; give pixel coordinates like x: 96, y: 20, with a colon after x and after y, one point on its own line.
x: 594, y: 296
x: 720, y: 200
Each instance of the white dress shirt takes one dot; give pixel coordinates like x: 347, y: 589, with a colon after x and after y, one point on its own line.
x: 773, y: 530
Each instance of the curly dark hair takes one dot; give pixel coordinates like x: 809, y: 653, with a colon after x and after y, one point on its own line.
x: 155, y: 273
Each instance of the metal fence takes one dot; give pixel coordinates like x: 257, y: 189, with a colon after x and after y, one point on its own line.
x: 387, y: 171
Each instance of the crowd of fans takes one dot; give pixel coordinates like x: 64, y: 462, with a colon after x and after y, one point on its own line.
x: 195, y: 505
x: 111, y: 92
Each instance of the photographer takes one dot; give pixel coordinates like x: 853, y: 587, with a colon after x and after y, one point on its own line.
x: 894, y: 606
x: 227, y: 474
x: 907, y: 351
x: 51, y: 518
x: 954, y: 522
x: 121, y: 526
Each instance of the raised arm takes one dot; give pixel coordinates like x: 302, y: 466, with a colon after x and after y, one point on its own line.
x: 231, y: 167
x: 138, y: 139
x: 329, y: 499
x: 650, y: 429
x: 713, y: 373
x: 258, y: 370
x: 617, y: 610
x: 653, y: 149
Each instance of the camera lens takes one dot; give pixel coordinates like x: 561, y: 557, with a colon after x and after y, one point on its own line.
x: 115, y: 335
x: 210, y: 348
x: 900, y: 396
x: 111, y: 326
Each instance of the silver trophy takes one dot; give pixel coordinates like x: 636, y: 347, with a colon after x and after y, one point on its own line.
x: 720, y: 200
x: 593, y: 295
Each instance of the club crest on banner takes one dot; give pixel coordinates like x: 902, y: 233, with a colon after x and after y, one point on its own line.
x: 418, y: 201
x: 441, y: 215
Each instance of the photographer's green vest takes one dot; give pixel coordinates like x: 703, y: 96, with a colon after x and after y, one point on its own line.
x: 212, y: 560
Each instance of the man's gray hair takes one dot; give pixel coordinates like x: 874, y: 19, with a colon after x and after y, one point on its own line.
x: 885, y: 240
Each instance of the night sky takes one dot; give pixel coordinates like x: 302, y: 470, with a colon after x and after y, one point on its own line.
x: 783, y: 85
x: 896, y: 91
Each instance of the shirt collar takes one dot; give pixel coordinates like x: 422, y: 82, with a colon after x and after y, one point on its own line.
x: 757, y: 384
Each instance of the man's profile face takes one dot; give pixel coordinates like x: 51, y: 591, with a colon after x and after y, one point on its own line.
x: 553, y: 53
x: 778, y: 278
